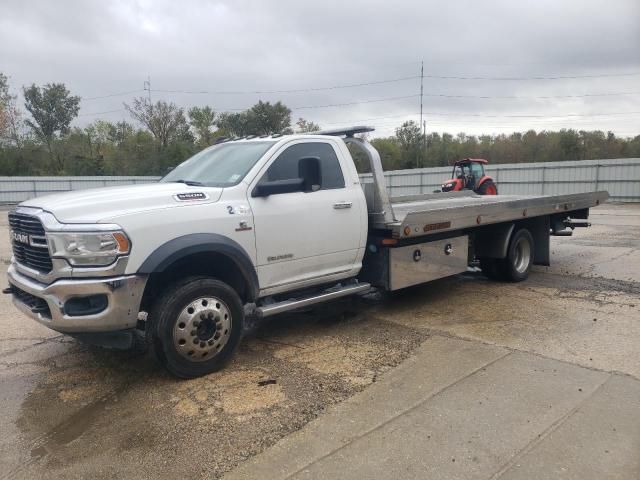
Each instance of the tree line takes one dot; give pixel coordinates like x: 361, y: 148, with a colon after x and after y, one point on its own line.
x: 39, y: 138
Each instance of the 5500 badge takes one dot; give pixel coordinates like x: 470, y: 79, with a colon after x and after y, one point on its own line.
x: 187, y: 197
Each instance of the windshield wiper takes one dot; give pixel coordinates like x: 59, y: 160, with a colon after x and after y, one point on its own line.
x: 191, y: 183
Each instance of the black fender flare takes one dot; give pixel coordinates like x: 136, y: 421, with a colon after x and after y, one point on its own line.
x: 181, y: 247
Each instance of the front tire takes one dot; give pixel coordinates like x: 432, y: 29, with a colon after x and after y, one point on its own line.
x: 197, y: 324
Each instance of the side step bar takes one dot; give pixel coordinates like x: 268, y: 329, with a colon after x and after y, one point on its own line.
x: 285, y: 306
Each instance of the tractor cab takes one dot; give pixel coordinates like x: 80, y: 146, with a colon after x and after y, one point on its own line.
x: 468, y: 174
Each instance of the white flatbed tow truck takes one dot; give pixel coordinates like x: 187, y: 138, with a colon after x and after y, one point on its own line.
x: 257, y: 226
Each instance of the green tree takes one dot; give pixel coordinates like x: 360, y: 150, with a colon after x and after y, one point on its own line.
x: 11, y: 124
x: 166, y: 121
x: 233, y: 124
x: 263, y: 118
x: 5, y: 99
x: 569, y: 144
x: 411, y: 143
x: 118, y: 132
x: 266, y: 119
x: 203, y: 121
x: 52, y: 109
x: 390, y: 152
x: 306, y: 126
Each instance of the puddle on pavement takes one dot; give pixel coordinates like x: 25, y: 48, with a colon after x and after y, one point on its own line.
x: 102, y: 412
x: 72, y: 428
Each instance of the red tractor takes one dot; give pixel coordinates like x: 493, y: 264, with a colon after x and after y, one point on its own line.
x: 469, y: 174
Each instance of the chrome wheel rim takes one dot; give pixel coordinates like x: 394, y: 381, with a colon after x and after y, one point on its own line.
x: 522, y: 255
x: 202, y: 329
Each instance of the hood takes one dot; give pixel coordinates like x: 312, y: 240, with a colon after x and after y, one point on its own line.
x: 97, y: 204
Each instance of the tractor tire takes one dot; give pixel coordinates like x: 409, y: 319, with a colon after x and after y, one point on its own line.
x: 197, y: 324
x: 488, y: 188
x: 516, y: 265
x: 492, y: 268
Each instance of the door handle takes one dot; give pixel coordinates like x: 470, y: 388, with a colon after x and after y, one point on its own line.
x: 341, y: 205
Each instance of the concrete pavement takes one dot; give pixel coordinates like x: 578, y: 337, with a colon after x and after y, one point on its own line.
x: 461, y: 409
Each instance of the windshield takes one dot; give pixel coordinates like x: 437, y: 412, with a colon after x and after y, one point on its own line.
x: 222, y: 165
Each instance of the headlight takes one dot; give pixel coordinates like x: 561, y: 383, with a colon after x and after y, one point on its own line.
x: 88, y: 249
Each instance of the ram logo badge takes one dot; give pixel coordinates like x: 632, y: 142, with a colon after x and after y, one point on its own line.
x: 19, y: 237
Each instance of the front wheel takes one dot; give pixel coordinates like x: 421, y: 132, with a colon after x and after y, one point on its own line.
x: 197, y: 325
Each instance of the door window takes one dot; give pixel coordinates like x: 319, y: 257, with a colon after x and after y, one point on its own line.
x: 477, y: 170
x: 287, y: 165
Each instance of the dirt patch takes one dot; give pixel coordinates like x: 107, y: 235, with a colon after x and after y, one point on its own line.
x: 243, y: 400
x: 285, y: 374
x: 78, y: 394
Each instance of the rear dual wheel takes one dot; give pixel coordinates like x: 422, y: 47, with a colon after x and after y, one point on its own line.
x: 515, y: 267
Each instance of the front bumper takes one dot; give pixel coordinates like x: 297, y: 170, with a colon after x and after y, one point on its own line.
x: 124, y: 294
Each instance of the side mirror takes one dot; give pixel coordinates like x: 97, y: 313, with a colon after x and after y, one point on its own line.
x: 278, y: 186
x: 309, y: 171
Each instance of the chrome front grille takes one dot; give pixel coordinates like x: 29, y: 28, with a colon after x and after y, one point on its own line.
x: 29, y: 242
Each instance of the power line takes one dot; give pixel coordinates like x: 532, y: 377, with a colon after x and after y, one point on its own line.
x: 296, y: 90
x: 386, y: 81
x: 385, y: 99
x: 303, y: 107
x: 475, y: 122
x: 560, y: 77
x: 522, y: 121
x: 119, y: 94
x: 346, y: 104
x: 435, y: 95
x: 531, y: 116
x: 100, y: 113
x: 443, y: 95
x: 411, y: 77
x: 370, y: 118
x: 444, y: 114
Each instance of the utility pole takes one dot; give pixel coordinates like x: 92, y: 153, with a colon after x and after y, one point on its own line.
x: 147, y: 87
x: 421, y: 94
x: 424, y: 139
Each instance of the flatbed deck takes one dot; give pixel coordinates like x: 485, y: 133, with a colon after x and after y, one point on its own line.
x: 419, y: 215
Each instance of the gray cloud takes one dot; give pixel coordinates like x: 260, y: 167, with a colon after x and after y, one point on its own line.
x: 98, y: 48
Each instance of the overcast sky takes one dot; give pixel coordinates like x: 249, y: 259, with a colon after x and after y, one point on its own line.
x: 99, y: 48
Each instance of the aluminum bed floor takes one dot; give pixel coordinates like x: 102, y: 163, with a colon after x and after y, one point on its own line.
x: 419, y: 215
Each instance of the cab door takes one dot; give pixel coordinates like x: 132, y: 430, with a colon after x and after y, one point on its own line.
x: 306, y: 236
